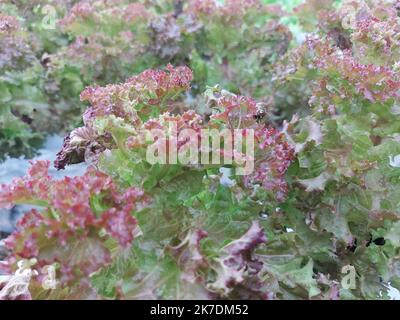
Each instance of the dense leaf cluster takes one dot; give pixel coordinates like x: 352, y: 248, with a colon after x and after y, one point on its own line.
x: 60, y: 47
x: 324, y: 195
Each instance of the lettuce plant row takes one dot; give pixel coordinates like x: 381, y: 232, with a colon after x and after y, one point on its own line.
x: 320, y: 206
